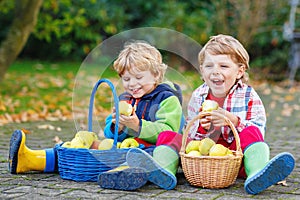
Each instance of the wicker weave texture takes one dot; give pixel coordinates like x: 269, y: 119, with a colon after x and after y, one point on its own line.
x: 80, y: 164
x: 211, y: 171
x: 86, y: 164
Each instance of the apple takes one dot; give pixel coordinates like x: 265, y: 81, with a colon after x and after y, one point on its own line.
x: 129, y: 143
x: 67, y: 144
x: 120, y: 168
x: 82, y: 139
x: 209, y: 105
x: 192, y: 145
x: 118, y: 145
x: 125, y: 108
x: 218, y: 150
x: 106, y: 144
x: 205, y: 146
x: 229, y: 152
x: 194, y: 153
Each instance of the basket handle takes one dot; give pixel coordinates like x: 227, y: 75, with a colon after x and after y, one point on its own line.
x: 202, y: 114
x: 116, y: 104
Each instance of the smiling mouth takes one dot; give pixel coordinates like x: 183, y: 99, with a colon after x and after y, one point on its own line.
x: 135, y: 90
x: 217, y: 81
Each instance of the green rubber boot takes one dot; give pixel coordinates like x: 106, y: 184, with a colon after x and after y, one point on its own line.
x: 161, y: 168
x: 262, y: 172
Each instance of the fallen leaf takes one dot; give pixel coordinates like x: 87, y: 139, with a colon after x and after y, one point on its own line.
x: 289, y: 98
x: 273, y: 104
x: 26, y: 131
x: 57, y: 140
x: 46, y: 126
x: 283, y: 183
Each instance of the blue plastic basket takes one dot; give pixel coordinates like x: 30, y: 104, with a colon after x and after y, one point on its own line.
x: 80, y: 164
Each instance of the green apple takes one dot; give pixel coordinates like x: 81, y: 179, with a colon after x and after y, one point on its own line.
x: 77, y: 143
x: 218, y: 150
x: 129, y: 143
x: 67, y: 144
x: 209, y: 105
x: 120, y: 168
x: 205, y: 146
x: 125, y: 108
x: 194, y: 153
x: 118, y: 145
x: 106, y: 144
x: 229, y: 152
x: 192, y: 145
x: 83, y: 139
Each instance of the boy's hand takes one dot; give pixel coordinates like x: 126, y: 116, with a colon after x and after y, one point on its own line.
x: 218, y: 118
x: 121, y: 126
x: 131, y: 122
x: 205, y: 122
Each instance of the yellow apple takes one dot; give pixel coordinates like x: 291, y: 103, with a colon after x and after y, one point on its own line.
x: 77, y: 143
x: 118, y: 145
x: 194, y: 153
x: 129, y: 143
x: 106, y: 144
x: 205, y: 146
x: 229, y: 152
x: 125, y: 108
x: 120, y: 168
x: 67, y: 144
x: 192, y: 145
x: 84, y: 139
x: 209, y: 105
x: 218, y: 150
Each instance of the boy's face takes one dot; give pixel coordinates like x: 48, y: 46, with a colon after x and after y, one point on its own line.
x: 220, y: 73
x: 138, y: 83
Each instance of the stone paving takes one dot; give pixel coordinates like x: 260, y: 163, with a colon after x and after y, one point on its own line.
x: 51, y: 186
x: 283, y: 134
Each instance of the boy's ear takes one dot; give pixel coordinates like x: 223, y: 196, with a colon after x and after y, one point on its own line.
x: 241, y: 71
x: 200, y: 68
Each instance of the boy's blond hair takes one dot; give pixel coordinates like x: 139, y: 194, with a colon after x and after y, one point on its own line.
x: 140, y: 56
x: 226, y: 45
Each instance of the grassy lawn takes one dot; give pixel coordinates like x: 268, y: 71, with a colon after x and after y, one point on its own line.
x: 38, y: 90
x: 33, y: 89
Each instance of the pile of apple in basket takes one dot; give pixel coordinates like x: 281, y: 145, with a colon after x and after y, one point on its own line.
x: 207, y: 164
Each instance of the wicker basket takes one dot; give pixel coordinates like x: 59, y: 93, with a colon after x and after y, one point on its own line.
x: 211, y: 171
x: 81, y: 164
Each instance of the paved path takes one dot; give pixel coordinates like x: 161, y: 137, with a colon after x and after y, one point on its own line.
x: 283, y: 135
x: 51, y: 186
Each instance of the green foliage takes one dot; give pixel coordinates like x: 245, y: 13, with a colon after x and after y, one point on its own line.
x: 6, y: 6
x: 70, y: 29
x: 6, y: 17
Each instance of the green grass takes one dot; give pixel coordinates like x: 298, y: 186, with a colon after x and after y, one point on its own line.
x: 34, y: 66
x: 32, y: 86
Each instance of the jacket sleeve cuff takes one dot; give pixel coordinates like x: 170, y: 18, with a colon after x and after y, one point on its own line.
x: 109, y: 130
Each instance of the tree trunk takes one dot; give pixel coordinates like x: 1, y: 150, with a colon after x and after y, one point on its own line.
x: 26, y: 12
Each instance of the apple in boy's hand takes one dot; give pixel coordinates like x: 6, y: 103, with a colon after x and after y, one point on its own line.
x: 209, y: 105
x: 125, y: 108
